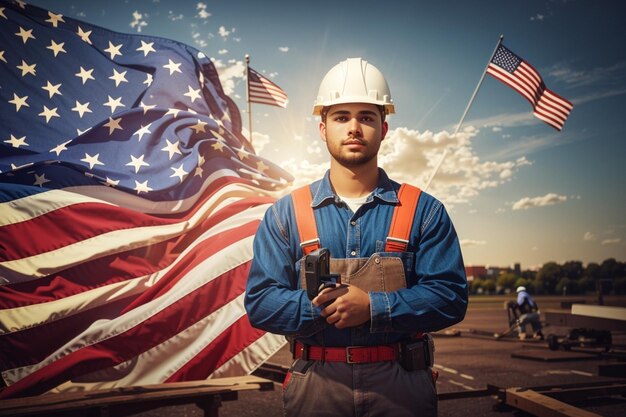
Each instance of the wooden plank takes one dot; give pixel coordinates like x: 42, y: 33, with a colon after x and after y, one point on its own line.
x: 541, y: 405
x: 546, y: 355
x: 179, y: 392
x: 574, y: 394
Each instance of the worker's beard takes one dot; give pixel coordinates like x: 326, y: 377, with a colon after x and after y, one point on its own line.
x: 341, y: 153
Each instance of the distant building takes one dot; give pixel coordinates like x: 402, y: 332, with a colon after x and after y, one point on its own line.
x: 476, y: 271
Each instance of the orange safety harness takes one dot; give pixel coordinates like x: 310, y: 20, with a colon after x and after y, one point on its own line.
x: 399, y: 229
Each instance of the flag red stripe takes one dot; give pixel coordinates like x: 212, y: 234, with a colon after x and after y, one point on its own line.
x: 266, y: 87
x: 228, y: 344
x: 530, y: 74
x: 267, y: 101
x: 556, y: 102
x: 558, y: 99
x: 547, y: 114
x: 549, y: 121
x: 96, y: 273
x: 531, y: 70
x: 558, y: 112
x: 69, y: 225
x: 551, y: 111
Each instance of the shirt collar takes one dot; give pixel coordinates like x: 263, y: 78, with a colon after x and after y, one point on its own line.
x: 384, y: 190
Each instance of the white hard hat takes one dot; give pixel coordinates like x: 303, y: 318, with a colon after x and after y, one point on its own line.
x: 520, y: 289
x: 353, y: 81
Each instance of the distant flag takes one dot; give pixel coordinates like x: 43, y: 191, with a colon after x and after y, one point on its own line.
x: 129, y: 199
x: 263, y: 91
x: 523, y: 78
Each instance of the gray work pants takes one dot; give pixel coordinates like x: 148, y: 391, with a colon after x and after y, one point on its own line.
x: 369, y: 389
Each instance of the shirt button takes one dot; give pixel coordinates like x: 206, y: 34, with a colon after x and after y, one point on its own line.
x: 377, y: 260
x: 353, y: 223
x: 353, y: 253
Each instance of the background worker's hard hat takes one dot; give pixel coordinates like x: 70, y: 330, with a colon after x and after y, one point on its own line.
x: 520, y: 289
x: 353, y: 81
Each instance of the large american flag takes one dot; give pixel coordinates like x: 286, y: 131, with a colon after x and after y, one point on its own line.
x: 264, y: 91
x: 128, y: 203
x: 523, y: 78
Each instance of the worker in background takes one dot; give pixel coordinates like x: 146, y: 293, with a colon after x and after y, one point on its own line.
x: 529, y: 314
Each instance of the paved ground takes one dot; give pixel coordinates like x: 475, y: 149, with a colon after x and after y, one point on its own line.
x: 465, y: 363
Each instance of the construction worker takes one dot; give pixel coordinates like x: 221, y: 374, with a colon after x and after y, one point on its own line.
x: 529, y: 314
x: 359, y: 347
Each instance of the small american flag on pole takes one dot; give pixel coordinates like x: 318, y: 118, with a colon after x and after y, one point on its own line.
x: 263, y: 91
x: 523, y: 78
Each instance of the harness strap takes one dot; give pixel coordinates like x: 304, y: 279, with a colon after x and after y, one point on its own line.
x: 402, y: 220
x: 305, y: 219
x: 399, y: 230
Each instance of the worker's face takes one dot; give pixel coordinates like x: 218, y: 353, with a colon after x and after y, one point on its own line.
x: 353, y: 132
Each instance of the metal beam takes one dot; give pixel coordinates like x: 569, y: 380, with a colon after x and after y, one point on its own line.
x: 566, y: 319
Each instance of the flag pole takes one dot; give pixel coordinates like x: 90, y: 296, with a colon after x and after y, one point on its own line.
x: 248, y: 97
x: 469, y: 104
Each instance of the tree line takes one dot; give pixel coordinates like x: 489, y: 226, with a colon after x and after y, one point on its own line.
x: 553, y: 278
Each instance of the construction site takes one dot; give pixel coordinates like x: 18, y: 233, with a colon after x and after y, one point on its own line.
x: 484, y: 369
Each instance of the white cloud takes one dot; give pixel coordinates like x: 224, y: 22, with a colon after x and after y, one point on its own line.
x: 589, y: 236
x: 283, y: 48
x: 229, y: 74
x: 174, y: 17
x: 538, y: 16
x: 222, y: 51
x: 467, y: 243
x: 138, y: 21
x: 307, y: 171
x: 611, y: 241
x: 595, y: 76
x: 410, y: 156
x: 202, y: 13
x: 259, y: 140
x: 223, y: 32
x: 546, y: 200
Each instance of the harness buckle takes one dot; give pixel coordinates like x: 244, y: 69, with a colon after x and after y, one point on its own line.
x: 395, y: 244
x: 310, y: 245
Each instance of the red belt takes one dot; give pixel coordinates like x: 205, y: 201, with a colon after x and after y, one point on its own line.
x: 348, y: 354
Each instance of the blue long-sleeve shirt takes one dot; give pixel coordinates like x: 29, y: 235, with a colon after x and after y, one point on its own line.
x: 436, y: 293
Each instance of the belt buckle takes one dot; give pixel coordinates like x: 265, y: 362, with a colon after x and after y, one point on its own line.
x: 349, y: 354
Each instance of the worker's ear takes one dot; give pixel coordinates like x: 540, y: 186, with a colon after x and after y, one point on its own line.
x: 384, y: 130
x: 323, y: 131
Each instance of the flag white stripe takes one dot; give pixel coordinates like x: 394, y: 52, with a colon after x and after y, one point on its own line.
x: 46, y: 263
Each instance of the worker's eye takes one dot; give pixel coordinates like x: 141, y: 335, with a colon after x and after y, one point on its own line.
x: 340, y: 118
x: 366, y: 119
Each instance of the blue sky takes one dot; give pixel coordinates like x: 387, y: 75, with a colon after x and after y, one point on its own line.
x: 517, y: 190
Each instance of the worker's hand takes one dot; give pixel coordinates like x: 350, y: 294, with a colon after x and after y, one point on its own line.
x: 344, y: 305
